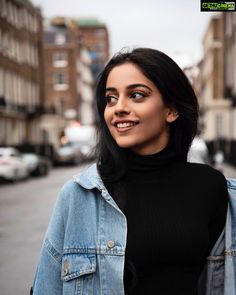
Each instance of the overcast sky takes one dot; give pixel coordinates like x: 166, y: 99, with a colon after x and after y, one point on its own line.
x: 175, y: 27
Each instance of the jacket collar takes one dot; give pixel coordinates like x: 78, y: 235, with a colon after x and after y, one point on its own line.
x: 90, y: 178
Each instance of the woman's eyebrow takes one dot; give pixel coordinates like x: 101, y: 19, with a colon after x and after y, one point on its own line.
x: 111, y: 89
x: 132, y: 86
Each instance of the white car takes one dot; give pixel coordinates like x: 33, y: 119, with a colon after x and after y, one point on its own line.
x: 83, y: 138
x: 67, y: 154
x: 12, y: 165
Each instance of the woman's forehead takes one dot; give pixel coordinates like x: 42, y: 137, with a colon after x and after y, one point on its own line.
x: 127, y: 74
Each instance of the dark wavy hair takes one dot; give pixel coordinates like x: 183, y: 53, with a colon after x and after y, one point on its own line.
x: 176, y: 92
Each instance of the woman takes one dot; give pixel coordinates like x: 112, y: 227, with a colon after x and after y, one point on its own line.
x: 142, y: 220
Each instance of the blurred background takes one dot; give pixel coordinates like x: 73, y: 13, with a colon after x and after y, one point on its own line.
x: 51, y: 53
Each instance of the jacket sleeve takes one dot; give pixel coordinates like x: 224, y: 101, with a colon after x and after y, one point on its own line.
x: 48, y: 275
x: 47, y: 280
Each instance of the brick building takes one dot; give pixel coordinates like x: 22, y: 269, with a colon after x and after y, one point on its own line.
x: 86, y: 88
x: 21, y: 73
x: 93, y: 35
x: 75, y: 51
x: 61, y: 53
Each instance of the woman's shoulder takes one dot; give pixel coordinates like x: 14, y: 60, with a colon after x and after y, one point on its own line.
x: 76, y: 193
x: 70, y: 187
x: 82, y: 182
x: 82, y: 179
x: 205, y: 173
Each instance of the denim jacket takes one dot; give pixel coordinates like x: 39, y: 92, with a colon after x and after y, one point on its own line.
x: 84, y: 247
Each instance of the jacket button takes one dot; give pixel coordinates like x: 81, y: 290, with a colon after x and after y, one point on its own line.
x: 111, y: 244
x: 65, y: 268
x: 65, y: 271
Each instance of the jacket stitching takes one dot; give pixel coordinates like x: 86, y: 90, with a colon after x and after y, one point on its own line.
x: 230, y: 252
x: 53, y: 252
x: 113, y: 252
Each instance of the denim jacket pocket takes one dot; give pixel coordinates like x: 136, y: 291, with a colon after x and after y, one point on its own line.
x: 78, y: 273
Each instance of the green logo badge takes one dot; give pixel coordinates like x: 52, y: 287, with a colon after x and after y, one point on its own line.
x: 217, y: 5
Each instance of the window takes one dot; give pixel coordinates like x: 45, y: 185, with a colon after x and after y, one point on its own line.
x: 60, y: 59
x: 219, y: 126
x: 3, y: 10
x: 60, y: 39
x: 60, y: 104
x: 34, y: 24
x: 60, y: 78
x: 1, y: 83
x: 5, y: 44
x: 100, y: 34
x: 1, y: 41
x: 60, y: 81
x: 15, y: 15
x: 3, y: 133
x: 93, y: 54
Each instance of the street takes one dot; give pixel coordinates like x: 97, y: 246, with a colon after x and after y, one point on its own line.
x: 25, y: 208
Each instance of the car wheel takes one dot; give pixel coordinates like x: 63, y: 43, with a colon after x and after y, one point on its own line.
x: 15, y: 176
x: 41, y: 170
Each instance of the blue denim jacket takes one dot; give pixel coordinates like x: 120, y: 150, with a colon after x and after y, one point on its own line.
x: 84, y: 246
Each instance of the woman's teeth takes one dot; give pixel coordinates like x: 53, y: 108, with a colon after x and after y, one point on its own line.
x: 125, y: 124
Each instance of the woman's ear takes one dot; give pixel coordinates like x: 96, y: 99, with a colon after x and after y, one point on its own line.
x: 172, y: 115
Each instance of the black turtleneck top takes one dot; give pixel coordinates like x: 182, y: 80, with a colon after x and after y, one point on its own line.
x: 175, y: 212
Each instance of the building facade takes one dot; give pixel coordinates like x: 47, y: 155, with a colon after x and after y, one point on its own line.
x: 86, y: 88
x: 61, y: 52
x: 75, y: 51
x: 214, y: 105
x: 229, y: 22
x: 21, y: 73
x: 94, y: 36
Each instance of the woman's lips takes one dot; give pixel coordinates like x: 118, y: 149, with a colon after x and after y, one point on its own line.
x: 125, y: 126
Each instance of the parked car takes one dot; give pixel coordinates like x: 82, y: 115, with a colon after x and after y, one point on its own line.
x: 198, y: 152
x: 12, y: 165
x: 86, y: 149
x: 84, y: 139
x: 37, y: 165
x: 67, y: 154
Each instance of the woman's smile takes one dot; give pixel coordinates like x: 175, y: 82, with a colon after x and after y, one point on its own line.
x: 125, y: 125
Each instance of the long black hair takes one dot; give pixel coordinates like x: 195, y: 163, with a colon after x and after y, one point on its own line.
x: 176, y: 92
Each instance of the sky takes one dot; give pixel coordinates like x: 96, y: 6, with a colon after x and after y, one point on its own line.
x: 175, y: 27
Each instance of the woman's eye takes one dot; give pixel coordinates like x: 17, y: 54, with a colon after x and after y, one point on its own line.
x: 110, y: 99
x: 137, y: 95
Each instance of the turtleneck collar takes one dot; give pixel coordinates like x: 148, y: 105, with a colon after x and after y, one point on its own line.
x: 145, y: 167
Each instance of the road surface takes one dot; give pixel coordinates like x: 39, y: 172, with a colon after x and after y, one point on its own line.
x: 25, y: 208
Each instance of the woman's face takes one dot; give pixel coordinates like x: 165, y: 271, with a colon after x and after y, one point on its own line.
x: 135, y: 113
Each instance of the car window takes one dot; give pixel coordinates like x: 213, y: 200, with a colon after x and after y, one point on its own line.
x: 9, y: 153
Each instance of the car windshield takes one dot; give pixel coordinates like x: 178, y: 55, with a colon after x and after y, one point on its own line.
x: 67, y: 146
x: 29, y: 157
x: 85, y: 135
x: 8, y: 152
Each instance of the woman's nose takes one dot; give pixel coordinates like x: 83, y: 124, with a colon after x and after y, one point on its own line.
x: 122, y: 107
